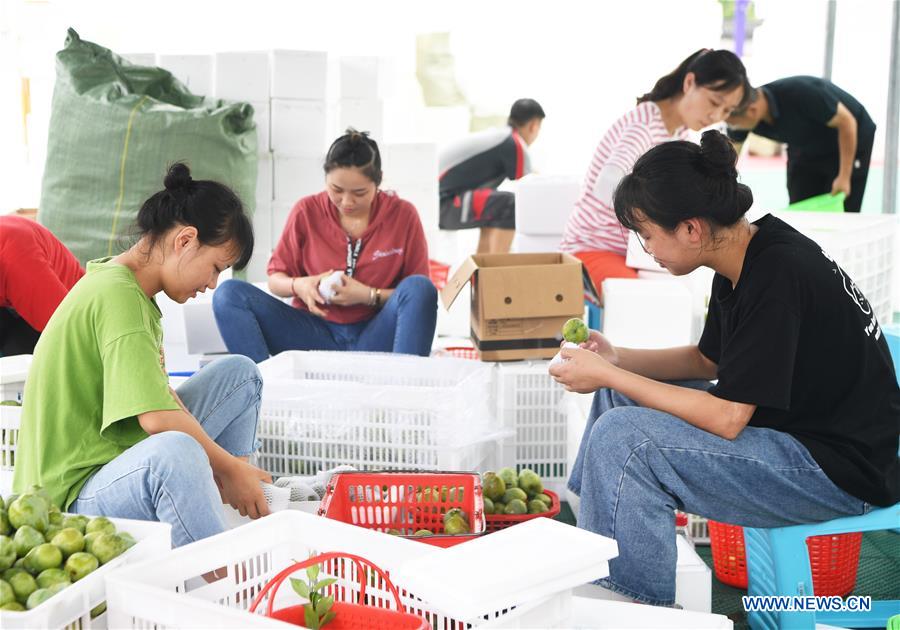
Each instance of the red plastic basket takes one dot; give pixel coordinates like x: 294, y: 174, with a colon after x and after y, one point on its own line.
x: 496, y: 522
x: 406, y: 501
x: 459, y: 352
x: 834, y: 560
x: 347, y: 616
x: 438, y: 273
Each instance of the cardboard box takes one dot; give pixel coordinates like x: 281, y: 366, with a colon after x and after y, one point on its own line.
x: 520, y: 302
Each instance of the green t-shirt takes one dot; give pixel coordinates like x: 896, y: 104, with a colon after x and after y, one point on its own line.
x: 97, y: 365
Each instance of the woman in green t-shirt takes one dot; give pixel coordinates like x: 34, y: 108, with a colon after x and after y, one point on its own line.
x: 101, y: 429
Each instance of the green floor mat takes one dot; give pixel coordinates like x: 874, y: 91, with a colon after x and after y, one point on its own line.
x: 878, y: 575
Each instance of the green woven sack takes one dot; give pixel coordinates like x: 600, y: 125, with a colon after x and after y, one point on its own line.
x: 114, y: 129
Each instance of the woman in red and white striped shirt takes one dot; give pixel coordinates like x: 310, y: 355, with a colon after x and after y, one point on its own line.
x: 703, y: 90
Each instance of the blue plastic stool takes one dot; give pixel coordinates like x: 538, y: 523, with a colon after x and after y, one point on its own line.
x: 595, y: 315
x: 778, y: 564
x: 892, y: 335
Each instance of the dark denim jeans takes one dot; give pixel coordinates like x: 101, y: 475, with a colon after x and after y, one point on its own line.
x: 636, y: 465
x: 257, y: 325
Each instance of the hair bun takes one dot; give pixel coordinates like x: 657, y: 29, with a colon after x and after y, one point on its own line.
x: 717, y: 154
x: 178, y: 177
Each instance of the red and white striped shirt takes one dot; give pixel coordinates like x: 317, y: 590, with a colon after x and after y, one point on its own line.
x: 593, y: 226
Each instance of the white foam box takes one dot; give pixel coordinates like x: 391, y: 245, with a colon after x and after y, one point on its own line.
x: 425, y: 199
x: 299, y: 74
x: 264, y: 178
x: 409, y: 164
x: 300, y: 127
x: 363, y: 115
x: 263, y: 244
x: 140, y: 59
x: 693, y: 579
x: 647, y: 313
x: 582, y: 613
x: 296, y: 177
x: 544, y: 203
x: 195, y: 71
x: 241, y: 76
x: 366, y: 77
x: 262, y: 116
x: 535, y: 243
x: 441, y: 125
x: 280, y: 211
x: 699, y: 283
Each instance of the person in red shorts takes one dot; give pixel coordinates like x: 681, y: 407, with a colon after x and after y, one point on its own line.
x: 36, y: 273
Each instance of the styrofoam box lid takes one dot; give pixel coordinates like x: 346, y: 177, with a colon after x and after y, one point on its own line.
x: 509, y: 567
x: 10, y: 416
x: 629, y: 286
x: 587, y: 612
x: 14, y: 369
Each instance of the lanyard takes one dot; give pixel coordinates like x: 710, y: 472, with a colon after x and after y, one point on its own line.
x: 352, y: 255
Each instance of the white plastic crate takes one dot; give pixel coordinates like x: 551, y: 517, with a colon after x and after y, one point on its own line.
x: 862, y: 244
x: 529, y: 402
x: 376, y: 411
x: 10, y: 418
x: 71, y: 608
x: 698, y: 529
x: 13, y: 371
x: 170, y: 592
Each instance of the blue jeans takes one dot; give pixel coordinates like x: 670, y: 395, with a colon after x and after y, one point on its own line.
x: 636, y: 465
x: 257, y: 325
x: 167, y: 476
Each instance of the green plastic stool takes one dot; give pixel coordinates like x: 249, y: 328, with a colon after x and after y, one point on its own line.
x: 820, y: 203
x: 778, y: 564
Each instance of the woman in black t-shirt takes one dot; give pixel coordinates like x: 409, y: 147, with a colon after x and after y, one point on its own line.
x: 802, y: 424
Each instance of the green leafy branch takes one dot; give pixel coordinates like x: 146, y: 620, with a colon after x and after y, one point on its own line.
x: 318, y: 611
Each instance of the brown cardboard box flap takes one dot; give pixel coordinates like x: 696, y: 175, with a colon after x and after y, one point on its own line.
x: 457, y: 281
x: 515, y: 277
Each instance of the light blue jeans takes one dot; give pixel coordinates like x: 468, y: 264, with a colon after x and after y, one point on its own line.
x: 167, y: 476
x: 636, y: 465
x: 257, y: 325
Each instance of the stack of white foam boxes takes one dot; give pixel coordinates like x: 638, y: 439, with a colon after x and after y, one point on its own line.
x: 300, y: 132
x: 543, y: 205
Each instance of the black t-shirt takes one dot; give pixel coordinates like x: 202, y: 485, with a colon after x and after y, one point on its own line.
x: 797, y: 338
x: 482, y: 160
x: 801, y: 108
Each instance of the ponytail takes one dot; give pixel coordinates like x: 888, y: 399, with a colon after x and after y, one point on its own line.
x: 212, y: 208
x: 355, y: 149
x: 680, y: 180
x: 718, y: 70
